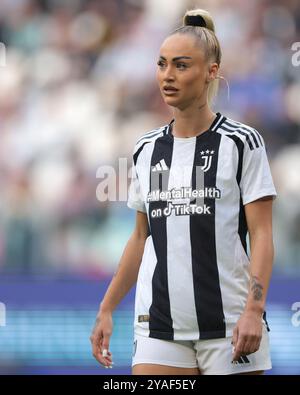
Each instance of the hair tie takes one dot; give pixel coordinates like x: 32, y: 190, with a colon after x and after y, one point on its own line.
x: 195, y: 20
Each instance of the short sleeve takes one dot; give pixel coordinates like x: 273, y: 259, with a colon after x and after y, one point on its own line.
x: 256, y: 179
x: 135, y: 198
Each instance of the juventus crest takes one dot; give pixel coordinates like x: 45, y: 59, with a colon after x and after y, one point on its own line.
x: 207, y: 156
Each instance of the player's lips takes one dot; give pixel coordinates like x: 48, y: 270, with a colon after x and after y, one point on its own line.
x: 169, y: 90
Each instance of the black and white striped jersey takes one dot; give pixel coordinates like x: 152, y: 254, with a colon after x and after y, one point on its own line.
x: 193, y: 279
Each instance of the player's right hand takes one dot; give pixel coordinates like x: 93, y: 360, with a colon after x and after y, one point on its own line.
x: 100, y: 337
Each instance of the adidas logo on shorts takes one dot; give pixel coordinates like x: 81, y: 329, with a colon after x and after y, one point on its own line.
x: 242, y: 360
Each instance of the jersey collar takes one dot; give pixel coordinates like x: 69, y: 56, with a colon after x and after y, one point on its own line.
x: 214, y: 126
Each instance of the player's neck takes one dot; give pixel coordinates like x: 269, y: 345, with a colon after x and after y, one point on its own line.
x: 191, y: 122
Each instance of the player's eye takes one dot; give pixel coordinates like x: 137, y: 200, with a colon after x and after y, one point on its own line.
x: 181, y: 65
x: 160, y: 63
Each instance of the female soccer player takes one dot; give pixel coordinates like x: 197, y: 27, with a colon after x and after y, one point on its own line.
x: 201, y: 183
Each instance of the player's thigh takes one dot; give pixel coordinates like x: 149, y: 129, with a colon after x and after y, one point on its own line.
x: 155, y: 369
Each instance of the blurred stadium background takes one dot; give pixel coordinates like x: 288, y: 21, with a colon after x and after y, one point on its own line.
x: 77, y: 89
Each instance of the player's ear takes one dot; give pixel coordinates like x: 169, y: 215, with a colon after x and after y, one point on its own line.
x: 212, y: 72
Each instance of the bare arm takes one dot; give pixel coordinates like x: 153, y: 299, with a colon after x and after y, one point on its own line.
x: 248, y: 332
x: 259, y: 220
x: 126, y: 274
x: 123, y: 280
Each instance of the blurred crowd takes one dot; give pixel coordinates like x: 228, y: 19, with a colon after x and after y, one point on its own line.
x: 77, y: 89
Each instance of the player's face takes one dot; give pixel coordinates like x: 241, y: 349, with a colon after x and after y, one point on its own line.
x: 182, y: 65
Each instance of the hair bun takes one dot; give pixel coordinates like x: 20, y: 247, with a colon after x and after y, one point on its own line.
x: 200, y: 18
x: 195, y: 20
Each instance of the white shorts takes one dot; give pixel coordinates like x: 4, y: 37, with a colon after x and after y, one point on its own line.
x: 213, y: 356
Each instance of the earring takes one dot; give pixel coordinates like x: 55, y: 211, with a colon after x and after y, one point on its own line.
x: 228, y: 88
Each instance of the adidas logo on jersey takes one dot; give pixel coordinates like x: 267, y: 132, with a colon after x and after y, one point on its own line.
x: 160, y: 166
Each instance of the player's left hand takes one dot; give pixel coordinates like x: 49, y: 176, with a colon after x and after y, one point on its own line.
x: 247, y: 334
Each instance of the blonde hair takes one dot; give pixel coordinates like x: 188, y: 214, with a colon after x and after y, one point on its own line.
x: 200, y: 24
